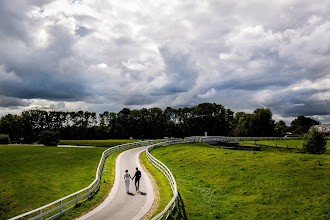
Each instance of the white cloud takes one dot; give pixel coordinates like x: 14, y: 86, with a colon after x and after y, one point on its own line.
x: 209, y: 94
x: 113, y: 54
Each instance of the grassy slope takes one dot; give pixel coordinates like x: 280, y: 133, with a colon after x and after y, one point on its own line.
x: 33, y: 176
x: 98, y: 143
x: 216, y: 183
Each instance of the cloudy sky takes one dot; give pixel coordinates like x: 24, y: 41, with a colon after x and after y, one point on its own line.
x: 103, y: 55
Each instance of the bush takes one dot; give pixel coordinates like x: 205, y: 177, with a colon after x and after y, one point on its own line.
x: 314, y: 142
x: 4, y: 139
x: 49, y: 138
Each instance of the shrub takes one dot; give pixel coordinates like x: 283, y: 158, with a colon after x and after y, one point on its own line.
x: 314, y: 142
x: 4, y: 139
x: 49, y: 138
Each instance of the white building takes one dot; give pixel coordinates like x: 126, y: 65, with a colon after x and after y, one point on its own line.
x: 325, y: 128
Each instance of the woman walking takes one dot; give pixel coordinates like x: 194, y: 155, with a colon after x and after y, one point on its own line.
x: 126, y: 178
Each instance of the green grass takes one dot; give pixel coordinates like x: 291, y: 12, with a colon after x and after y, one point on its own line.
x: 33, y: 176
x: 225, y: 184
x: 162, y: 185
x: 98, y: 143
x: 107, y: 180
x: 287, y: 145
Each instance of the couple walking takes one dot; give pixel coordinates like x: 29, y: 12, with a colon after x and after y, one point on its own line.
x: 137, y: 177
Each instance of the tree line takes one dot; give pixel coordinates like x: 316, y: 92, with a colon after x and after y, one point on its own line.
x: 154, y: 122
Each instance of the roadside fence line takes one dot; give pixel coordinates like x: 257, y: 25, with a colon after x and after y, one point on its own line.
x: 225, y: 138
x: 167, y: 173
x: 60, y: 206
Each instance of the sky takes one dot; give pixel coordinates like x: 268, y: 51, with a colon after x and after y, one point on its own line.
x: 104, y: 55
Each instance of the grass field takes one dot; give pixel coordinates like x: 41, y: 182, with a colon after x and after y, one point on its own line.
x: 98, y: 143
x: 275, y: 145
x: 32, y: 176
x: 224, y: 184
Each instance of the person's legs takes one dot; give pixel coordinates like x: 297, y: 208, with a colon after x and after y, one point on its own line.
x: 137, y: 183
x: 127, y: 186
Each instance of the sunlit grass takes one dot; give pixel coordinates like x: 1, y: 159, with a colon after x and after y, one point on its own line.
x: 33, y: 176
x: 225, y: 184
x: 107, y: 180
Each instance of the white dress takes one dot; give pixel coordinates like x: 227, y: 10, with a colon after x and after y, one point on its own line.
x: 126, y: 175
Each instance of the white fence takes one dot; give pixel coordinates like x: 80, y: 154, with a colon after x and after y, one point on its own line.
x: 167, y: 173
x: 60, y: 206
x: 263, y: 138
x: 223, y: 138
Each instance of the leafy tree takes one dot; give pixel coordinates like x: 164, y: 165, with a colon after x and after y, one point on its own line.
x: 4, y: 139
x: 11, y: 125
x: 280, y: 128
x: 49, y: 138
x: 259, y: 123
x: 31, y: 125
x: 123, y: 125
x: 263, y: 122
x: 302, y: 124
x: 314, y: 142
x: 144, y: 123
x: 239, y: 127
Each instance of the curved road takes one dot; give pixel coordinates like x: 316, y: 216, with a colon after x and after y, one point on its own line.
x: 119, y: 204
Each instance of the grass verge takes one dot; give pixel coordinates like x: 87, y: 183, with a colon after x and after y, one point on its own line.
x: 224, y: 184
x: 161, y: 187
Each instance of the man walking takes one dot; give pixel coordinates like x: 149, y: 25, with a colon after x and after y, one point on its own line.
x: 137, y: 177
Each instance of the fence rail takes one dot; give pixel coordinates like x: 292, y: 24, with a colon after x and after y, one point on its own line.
x: 167, y: 173
x: 264, y: 138
x: 60, y: 206
x: 214, y: 138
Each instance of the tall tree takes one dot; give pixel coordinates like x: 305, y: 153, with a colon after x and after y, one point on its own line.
x: 259, y: 123
x: 302, y: 124
x: 280, y: 128
x: 11, y: 125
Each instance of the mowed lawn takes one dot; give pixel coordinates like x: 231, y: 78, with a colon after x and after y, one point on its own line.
x: 33, y: 176
x: 225, y: 184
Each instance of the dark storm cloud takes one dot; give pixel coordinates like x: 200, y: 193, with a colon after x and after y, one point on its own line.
x: 295, y: 108
x: 310, y: 108
x: 138, y: 99
x: 12, y: 102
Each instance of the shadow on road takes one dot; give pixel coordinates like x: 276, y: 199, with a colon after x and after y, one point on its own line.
x: 142, y: 193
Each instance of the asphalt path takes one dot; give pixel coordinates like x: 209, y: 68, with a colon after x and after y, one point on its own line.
x: 119, y: 204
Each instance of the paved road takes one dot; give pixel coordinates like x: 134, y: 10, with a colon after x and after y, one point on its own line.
x: 119, y: 204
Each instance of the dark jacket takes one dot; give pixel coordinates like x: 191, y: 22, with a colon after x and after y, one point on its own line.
x: 137, y: 175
